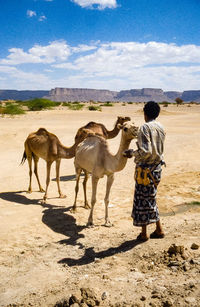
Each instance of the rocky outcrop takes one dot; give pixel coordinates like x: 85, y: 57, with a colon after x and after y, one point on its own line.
x: 21, y: 95
x: 191, y: 96
x: 84, y: 94
x: 136, y: 95
x: 81, y: 94
x: 141, y: 95
x: 172, y: 95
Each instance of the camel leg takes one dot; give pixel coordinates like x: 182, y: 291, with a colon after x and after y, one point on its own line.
x: 47, y: 181
x: 87, y: 206
x: 29, y: 158
x: 110, y: 180
x: 93, y: 201
x: 78, y: 173
x: 58, y: 178
x: 36, y: 159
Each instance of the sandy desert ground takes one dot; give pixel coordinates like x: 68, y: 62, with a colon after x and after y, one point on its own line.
x: 48, y: 257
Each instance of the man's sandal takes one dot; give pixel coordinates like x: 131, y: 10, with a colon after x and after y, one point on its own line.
x: 155, y: 235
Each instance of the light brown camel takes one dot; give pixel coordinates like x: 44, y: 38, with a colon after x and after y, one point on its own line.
x: 45, y: 145
x: 93, y: 156
x: 98, y: 129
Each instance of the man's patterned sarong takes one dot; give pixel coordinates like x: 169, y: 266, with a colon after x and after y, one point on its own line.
x: 145, y: 210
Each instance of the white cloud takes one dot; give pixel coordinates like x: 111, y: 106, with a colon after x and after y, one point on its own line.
x: 42, y: 18
x: 83, y: 48
x: 17, y: 79
x: 30, y: 13
x: 57, y: 50
x: 113, y: 65
x: 118, y: 57
x: 101, y: 4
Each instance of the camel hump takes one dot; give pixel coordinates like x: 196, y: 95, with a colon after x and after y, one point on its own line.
x: 45, y: 132
x: 42, y: 131
x: 98, y: 128
x: 89, y: 125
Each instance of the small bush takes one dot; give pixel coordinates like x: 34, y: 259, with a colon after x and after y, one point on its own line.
x: 75, y: 106
x: 38, y: 104
x: 66, y: 104
x: 12, y: 109
x: 107, y: 104
x: 94, y: 108
x: 194, y: 203
x: 164, y: 103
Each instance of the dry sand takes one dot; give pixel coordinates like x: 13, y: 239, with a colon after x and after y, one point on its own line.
x: 48, y: 255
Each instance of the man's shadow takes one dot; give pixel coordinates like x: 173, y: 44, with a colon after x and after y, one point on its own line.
x: 90, y: 255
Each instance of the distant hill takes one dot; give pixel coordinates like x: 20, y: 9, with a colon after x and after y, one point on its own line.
x: 21, y: 95
x: 84, y: 94
x: 135, y: 95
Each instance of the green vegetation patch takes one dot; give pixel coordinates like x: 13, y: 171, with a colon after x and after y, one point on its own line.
x: 12, y: 109
x: 73, y: 105
x: 38, y: 104
x: 107, y: 104
x: 94, y: 108
x: 194, y: 203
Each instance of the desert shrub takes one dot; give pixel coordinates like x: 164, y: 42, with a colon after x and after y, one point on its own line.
x: 194, y: 203
x: 12, y: 109
x: 94, y: 108
x: 1, y: 110
x: 66, y: 104
x: 107, y: 104
x: 130, y: 102
x: 179, y: 101
x: 164, y: 103
x: 123, y: 104
x: 38, y: 104
x: 73, y: 105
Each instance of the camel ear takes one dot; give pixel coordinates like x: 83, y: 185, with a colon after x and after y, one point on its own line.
x: 119, y: 126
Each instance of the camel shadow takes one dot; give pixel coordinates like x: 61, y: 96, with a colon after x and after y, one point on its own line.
x: 17, y: 197
x: 90, y: 255
x: 67, y: 178
x: 55, y: 217
x: 65, y: 224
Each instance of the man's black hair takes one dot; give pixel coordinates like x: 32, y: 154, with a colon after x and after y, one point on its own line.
x: 151, y: 109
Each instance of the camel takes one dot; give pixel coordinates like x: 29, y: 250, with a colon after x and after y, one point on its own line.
x: 45, y: 145
x: 101, y: 130
x: 93, y: 156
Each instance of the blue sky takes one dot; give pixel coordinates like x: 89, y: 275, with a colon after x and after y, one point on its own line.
x: 100, y: 44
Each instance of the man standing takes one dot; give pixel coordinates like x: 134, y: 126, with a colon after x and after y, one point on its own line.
x: 148, y: 159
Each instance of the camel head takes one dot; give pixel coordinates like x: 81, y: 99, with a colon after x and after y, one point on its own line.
x: 122, y: 119
x: 129, y: 130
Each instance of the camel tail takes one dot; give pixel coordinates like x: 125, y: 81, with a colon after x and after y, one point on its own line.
x: 23, y: 158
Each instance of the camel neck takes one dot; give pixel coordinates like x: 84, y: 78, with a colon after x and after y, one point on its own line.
x: 113, y: 133
x: 67, y: 152
x: 120, y: 159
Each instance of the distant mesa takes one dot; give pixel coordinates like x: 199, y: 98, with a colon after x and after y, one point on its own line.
x: 21, y: 95
x: 84, y: 94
